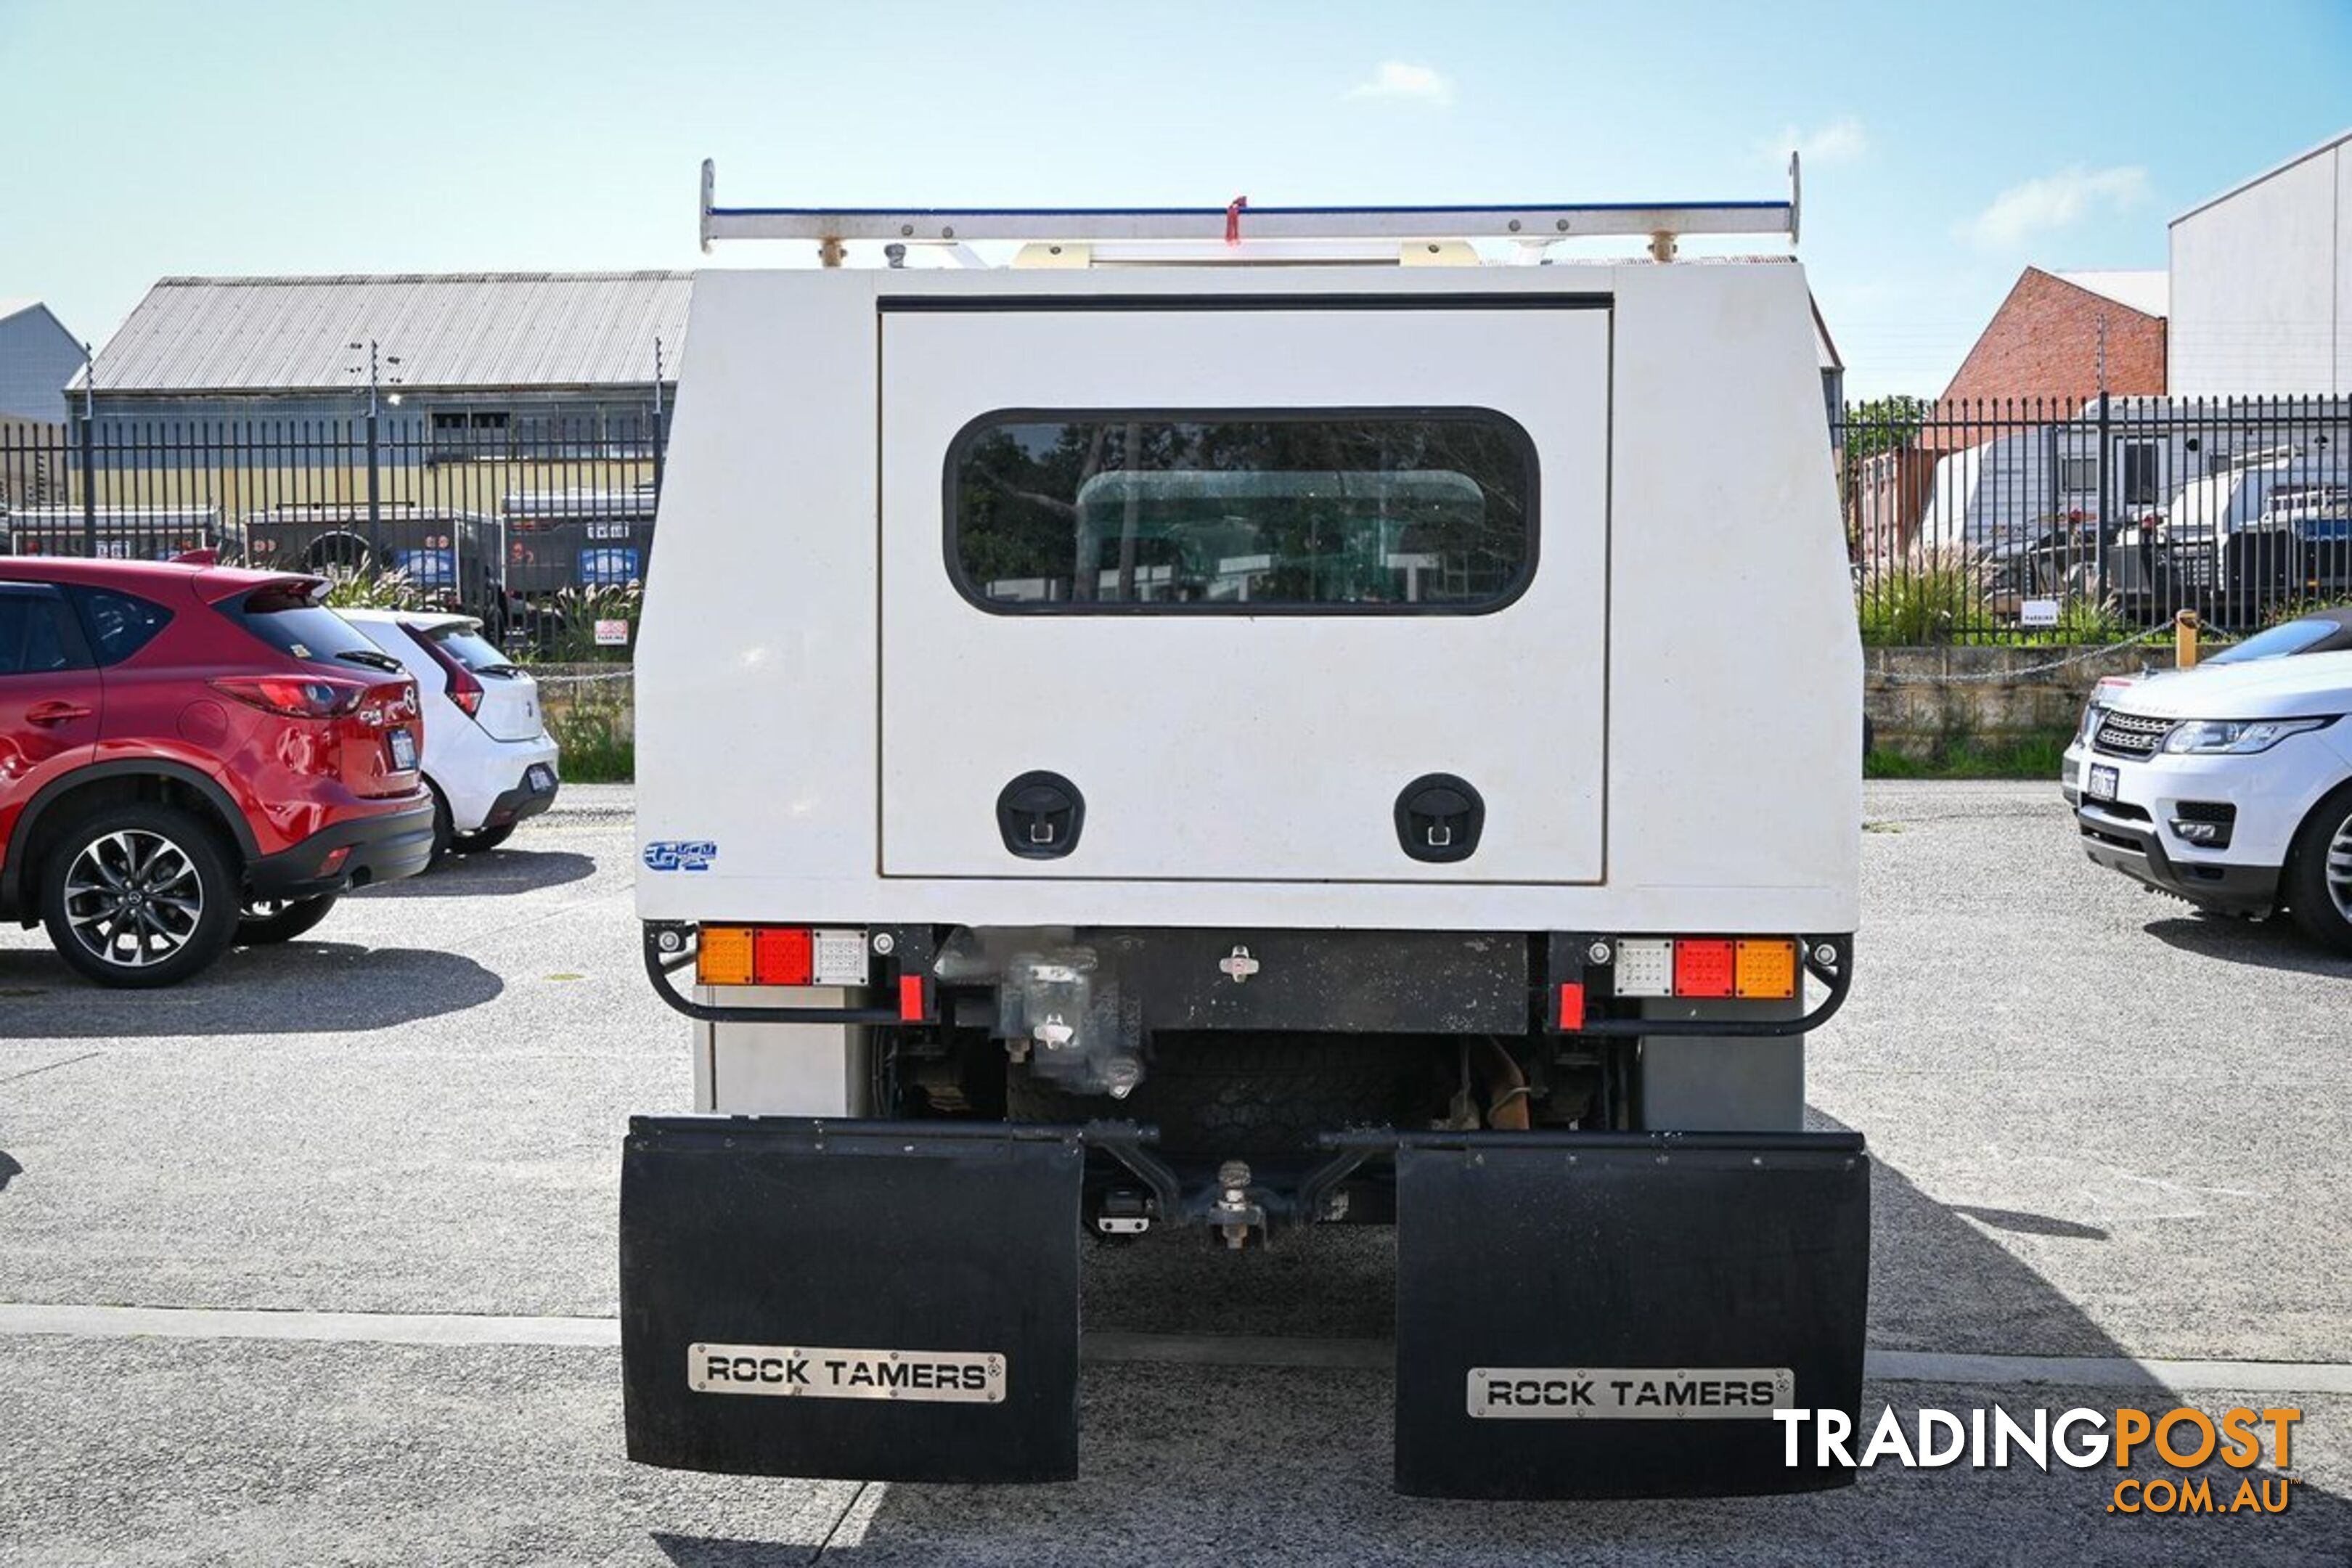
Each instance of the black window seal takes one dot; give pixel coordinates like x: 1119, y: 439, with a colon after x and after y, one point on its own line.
x: 950, y: 515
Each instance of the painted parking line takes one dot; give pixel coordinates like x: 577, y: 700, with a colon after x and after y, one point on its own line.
x: 1108, y: 1347
x: 355, y: 1328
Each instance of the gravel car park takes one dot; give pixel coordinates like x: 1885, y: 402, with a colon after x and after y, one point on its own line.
x: 335, y: 1284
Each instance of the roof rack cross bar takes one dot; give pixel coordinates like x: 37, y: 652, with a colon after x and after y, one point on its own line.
x: 1530, y: 223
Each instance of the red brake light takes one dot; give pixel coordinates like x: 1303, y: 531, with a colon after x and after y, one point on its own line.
x: 297, y: 697
x: 780, y: 955
x: 1704, y: 967
x: 459, y: 681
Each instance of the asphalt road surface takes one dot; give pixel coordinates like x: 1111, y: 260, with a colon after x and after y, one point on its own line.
x: 372, y: 1177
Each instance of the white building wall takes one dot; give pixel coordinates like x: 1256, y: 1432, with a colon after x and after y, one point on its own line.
x: 2262, y: 284
x: 37, y: 357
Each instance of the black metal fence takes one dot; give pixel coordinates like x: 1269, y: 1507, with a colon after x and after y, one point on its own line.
x: 2010, y: 521
x: 513, y: 528
x: 2025, y: 521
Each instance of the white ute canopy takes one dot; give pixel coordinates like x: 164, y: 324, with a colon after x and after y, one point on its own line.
x: 1237, y: 537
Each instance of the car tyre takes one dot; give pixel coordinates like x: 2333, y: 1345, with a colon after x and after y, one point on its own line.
x: 265, y: 922
x: 140, y: 895
x: 480, y: 839
x: 2318, y: 882
x: 444, y: 836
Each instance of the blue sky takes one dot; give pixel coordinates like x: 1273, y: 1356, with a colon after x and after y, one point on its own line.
x: 1948, y: 147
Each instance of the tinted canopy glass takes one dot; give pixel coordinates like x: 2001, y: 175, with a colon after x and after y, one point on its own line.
x: 1363, y: 511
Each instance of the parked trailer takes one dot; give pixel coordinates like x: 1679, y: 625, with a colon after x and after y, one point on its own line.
x: 452, y: 556
x: 1207, y: 747
x: 122, y: 533
x: 559, y: 541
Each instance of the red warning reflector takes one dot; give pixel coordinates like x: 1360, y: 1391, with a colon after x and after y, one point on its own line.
x: 1571, y: 1005
x: 1702, y: 968
x: 910, y: 998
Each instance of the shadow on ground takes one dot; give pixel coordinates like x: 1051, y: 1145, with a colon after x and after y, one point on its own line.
x: 1225, y: 1464
x: 298, y: 988
x: 492, y: 873
x: 2273, y: 943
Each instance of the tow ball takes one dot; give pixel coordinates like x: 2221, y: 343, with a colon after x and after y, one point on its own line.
x: 1235, y: 1213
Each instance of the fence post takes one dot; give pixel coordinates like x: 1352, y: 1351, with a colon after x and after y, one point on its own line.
x: 658, y: 442
x: 375, y: 506
x: 89, y: 486
x: 2107, y: 505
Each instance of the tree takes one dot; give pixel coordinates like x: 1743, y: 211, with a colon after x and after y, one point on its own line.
x: 1883, y: 424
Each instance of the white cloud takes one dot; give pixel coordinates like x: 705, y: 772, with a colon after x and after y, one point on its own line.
x: 2053, y: 201
x: 1840, y: 142
x: 1395, y: 78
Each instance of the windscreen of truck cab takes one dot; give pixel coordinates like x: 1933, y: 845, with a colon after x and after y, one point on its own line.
x: 1354, y: 511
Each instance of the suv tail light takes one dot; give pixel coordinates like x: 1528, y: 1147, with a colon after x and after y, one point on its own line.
x: 458, y: 681
x: 296, y: 697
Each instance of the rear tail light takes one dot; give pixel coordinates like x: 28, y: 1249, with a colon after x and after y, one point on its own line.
x: 393, y: 703
x: 779, y: 955
x: 1702, y: 968
x: 458, y: 681
x: 723, y: 957
x: 296, y: 695
x: 1766, y: 969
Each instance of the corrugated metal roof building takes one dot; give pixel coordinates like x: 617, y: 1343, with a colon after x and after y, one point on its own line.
x: 453, y: 331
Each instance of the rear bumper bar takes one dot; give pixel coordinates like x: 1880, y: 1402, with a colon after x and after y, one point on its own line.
x: 383, y: 847
x: 669, y: 948
x: 523, y: 802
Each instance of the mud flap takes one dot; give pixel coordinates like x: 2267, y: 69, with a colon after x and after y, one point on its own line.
x: 1616, y: 1316
x: 852, y: 1301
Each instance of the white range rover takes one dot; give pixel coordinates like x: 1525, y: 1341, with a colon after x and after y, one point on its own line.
x: 2230, y: 785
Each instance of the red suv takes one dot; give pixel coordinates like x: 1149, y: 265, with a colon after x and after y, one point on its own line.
x: 192, y: 757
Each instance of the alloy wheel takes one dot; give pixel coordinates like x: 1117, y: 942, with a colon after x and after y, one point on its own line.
x: 2339, y: 869
x: 134, y: 898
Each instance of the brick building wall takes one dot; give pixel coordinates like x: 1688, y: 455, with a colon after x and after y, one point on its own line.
x: 2043, y: 343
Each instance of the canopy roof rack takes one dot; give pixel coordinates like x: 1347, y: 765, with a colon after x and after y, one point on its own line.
x: 1532, y: 225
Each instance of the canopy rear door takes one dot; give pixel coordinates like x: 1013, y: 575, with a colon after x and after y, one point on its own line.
x: 1239, y: 576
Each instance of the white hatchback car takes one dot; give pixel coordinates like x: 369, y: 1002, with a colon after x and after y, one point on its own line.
x: 488, y: 755
x: 2230, y: 785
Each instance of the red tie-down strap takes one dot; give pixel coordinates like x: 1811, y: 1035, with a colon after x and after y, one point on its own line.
x: 1234, y: 210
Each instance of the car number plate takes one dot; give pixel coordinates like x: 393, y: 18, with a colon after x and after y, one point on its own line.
x: 403, y: 751
x: 539, y: 777
x: 2102, y: 784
